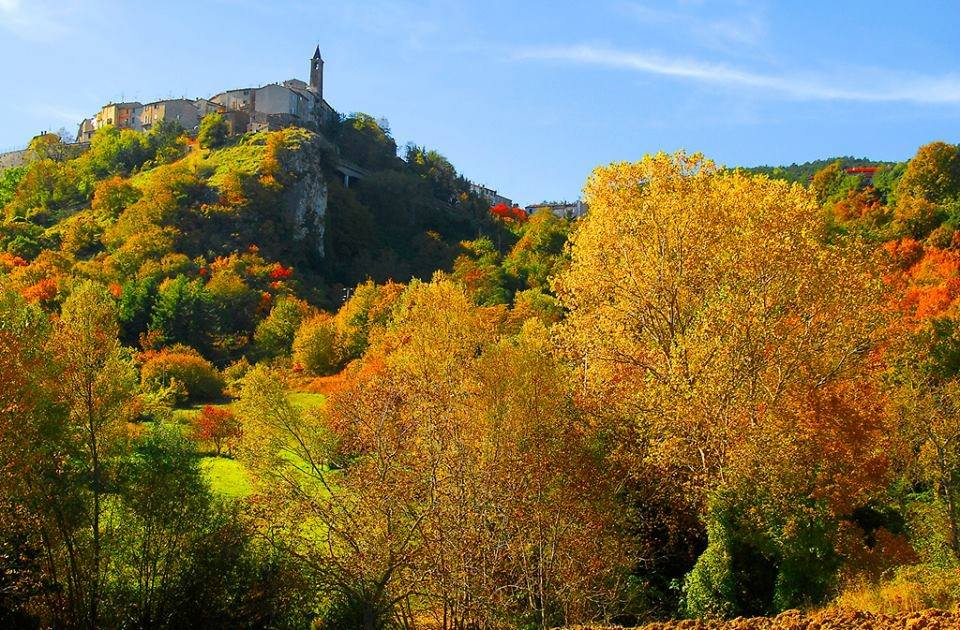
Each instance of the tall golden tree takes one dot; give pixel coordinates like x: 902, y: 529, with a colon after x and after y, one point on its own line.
x: 449, y: 478
x: 710, y: 302
x: 96, y: 382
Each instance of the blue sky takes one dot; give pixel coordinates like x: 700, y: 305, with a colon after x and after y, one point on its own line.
x: 529, y: 96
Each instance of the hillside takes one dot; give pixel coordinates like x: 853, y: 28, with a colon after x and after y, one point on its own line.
x: 236, y: 391
x: 255, y: 219
x: 804, y: 172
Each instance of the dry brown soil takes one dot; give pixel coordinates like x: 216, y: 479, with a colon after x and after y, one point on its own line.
x: 822, y: 620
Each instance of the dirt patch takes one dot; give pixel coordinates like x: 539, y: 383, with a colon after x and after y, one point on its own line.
x: 823, y: 620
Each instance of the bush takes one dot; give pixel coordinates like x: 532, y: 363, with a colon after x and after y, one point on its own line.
x: 760, y: 566
x: 185, y: 365
x: 316, y: 347
x: 233, y: 375
x: 274, y: 335
x: 909, y: 589
x: 213, y: 131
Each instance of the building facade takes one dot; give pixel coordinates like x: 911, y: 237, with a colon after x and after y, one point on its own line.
x: 492, y: 196
x: 562, y: 209
x: 120, y: 115
x: 272, y: 106
x: 179, y: 110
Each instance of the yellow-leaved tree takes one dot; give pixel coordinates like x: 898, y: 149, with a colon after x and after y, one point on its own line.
x: 449, y: 480
x: 725, y: 343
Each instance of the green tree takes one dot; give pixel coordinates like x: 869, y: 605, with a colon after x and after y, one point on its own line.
x: 9, y: 180
x: 213, y: 131
x: 233, y: 301
x: 436, y: 169
x: 364, y: 140
x: 274, y: 334
x: 183, y: 313
x: 137, y: 298
x: 316, y: 347
x: 97, y: 380
x: 166, y: 506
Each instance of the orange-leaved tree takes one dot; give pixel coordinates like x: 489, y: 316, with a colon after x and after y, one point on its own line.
x: 216, y: 425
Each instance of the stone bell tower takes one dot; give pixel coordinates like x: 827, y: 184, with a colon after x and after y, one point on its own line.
x: 316, y: 74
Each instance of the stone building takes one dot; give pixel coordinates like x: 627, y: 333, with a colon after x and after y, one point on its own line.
x: 492, y: 196
x: 86, y: 131
x: 563, y: 209
x: 278, y: 105
x: 120, y: 115
x: 272, y: 106
x: 178, y: 110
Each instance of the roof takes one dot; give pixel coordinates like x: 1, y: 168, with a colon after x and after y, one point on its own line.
x: 169, y: 100
x: 316, y: 55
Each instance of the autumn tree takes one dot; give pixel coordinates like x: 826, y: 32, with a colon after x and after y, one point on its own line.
x: 928, y: 192
x: 219, y: 426
x: 367, y: 311
x: 183, y: 368
x: 933, y: 173
x: 317, y: 345
x: 96, y: 380
x: 213, y: 131
x: 705, y: 309
x: 450, y: 476
x: 33, y: 430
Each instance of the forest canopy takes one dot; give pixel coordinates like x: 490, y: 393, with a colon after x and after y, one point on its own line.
x: 719, y: 393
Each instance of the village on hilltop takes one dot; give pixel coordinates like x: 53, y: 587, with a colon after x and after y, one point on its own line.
x: 272, y: 106
x: 266, y: 108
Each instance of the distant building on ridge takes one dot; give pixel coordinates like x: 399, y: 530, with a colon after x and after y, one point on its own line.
x: 562, y: 209
x: 271, y: 106
x: 490, y: 195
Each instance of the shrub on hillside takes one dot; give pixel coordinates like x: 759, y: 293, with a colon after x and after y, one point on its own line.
x: 909, y: 589
x: 213, y: 131
x: 316, y: 347
x: 233, y: 375
x: 274, y: 334
x: 185, y: 365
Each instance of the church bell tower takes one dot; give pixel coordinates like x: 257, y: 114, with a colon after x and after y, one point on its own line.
x: 316, y: 74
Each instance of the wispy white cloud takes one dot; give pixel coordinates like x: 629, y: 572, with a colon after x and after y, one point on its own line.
x: 404, y: 20
x: 746, y: 27
x: 59, y: 113
x: 916, y: 89
x: 37, y: 20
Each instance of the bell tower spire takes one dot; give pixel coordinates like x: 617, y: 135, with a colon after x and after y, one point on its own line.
x: 316, y: 74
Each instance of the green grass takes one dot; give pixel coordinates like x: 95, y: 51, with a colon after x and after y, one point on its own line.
x: 305, y: 400
x: 243, y: 159
x: 227, y: 477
